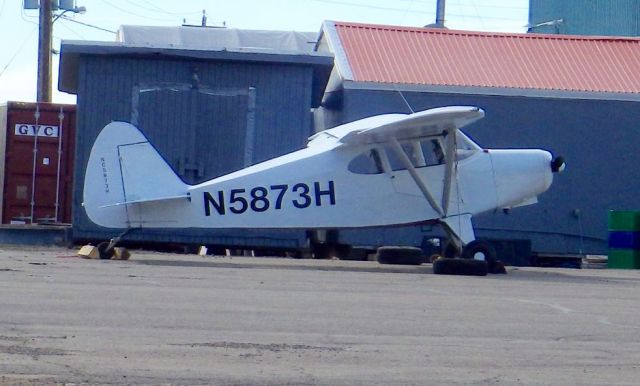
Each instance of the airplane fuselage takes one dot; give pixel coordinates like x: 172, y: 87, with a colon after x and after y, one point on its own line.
x: 390, y: 169
x: 299, y: 190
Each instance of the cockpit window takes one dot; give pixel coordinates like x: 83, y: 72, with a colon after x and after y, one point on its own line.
x: 433, y: 152
x: 421, y: 153
x: 366, y: 163
x: 428, y: 152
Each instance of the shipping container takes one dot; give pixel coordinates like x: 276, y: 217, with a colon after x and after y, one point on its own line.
x: 36, y: 162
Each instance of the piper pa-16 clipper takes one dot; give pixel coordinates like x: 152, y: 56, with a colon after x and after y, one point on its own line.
x: 383, y: 170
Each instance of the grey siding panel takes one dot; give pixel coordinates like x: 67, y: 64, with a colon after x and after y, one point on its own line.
x: 198, y: 133
x: 601, y: 152
x: 587, y: 17
x: 206, y: 133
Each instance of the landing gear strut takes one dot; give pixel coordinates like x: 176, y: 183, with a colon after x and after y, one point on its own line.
x: 462, y: 254
x: 106, y: 249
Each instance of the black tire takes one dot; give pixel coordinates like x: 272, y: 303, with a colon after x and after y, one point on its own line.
x: 400, y: 255
x: 331, y: 251
x: 463, y: 267
x: 322, y: 251
x: 104, y: 251
x: 480, y: 250
x: 498, y: 268
x: 450, y: 250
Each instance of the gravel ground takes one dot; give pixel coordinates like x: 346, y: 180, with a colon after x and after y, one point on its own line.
x: 186, y: 319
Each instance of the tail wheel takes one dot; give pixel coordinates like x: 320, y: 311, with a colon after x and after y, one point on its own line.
x: 480, y: 250
x: 104, y: 250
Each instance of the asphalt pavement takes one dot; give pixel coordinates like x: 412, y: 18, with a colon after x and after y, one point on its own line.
x: 185, y: 319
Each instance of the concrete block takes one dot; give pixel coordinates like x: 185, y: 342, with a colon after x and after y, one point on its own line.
x: 89, y: 252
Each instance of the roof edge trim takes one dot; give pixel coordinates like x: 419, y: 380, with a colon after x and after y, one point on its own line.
x: 335, y: 44
x: 528, y: 35
x: 498, y: 91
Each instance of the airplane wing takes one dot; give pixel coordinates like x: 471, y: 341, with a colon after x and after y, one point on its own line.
x: 433, y: 122
x: 421, y: 124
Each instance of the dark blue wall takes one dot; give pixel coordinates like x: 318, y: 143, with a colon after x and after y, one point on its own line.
x: 237, y: 113
x: 586, y: 17
x: 599, y: 139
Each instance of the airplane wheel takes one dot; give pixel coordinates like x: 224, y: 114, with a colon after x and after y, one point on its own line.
x: 480, y: 250
x: 104, y: 250
x: 400, y: 255
x: 463, y: 267
x: 450, y: 250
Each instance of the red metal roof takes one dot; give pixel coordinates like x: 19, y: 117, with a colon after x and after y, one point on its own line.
x: 432, y: 56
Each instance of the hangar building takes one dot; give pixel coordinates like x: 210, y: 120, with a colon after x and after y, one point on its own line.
x: 211, y: 100
x: 215, y: 100
x: 575, y: 96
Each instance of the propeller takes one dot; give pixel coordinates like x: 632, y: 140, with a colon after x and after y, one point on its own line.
x: 557, y: 164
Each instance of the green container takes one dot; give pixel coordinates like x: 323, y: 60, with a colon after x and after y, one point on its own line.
x: 624, y: 220
x: 624, y: 259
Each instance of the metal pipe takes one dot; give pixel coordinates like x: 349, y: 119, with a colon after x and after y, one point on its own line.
x: 440, y: 13
x: 35, y: 161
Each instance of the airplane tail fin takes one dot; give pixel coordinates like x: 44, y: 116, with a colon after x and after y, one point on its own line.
x: 125, y: 171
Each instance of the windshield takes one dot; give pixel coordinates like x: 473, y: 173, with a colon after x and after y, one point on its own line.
x: 421, y: 153
x: 465, y: 143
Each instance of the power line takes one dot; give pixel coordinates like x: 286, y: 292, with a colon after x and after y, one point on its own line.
x: 25, y: 17
x: 491, y: 6
x: 483, y: 17
x: 18, y: 51
x: 87, y: 24
x: 370, y: 6
x: 154, y: 8
x: 473, y: 3
x: 70, y: 30
x: 133, y: 13
x: 449, y: 14
x: 409, y: 7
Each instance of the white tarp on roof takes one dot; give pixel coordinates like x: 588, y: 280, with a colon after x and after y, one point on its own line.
x: 189, y: 37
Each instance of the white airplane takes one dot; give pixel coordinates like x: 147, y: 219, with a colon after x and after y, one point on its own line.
x: 384, y: 170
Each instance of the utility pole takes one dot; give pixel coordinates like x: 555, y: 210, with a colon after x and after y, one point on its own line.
x: 44, y: 51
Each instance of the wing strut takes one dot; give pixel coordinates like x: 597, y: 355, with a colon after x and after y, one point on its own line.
x: 450, y: 155
x: 406, y: 162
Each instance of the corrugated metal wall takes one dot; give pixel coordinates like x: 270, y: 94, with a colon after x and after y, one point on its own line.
x: 571, y: 217
x: 586, y: 17
x: 205, y: 117
x: 215, y: 127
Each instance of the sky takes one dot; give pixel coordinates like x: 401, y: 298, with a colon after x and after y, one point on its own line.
x: 19, y: 27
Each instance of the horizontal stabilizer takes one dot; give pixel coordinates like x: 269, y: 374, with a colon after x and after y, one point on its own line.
x: 182, y: 197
